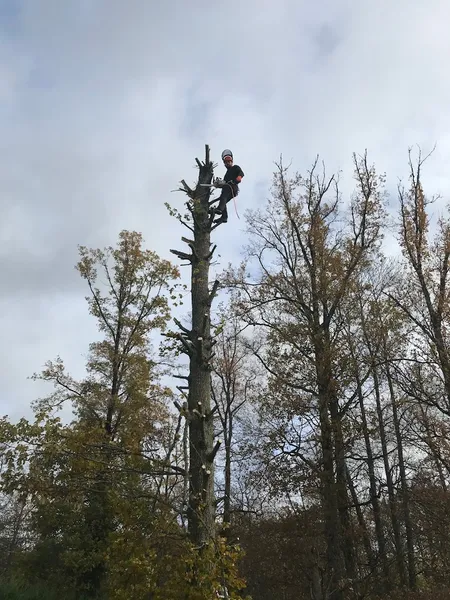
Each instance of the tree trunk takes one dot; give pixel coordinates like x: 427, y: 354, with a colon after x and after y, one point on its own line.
x: 198, y: 345
x: 381, y: 540
x: 400, y: 556
x: 201, y: 510
x: 228, y: 435
x: 341, y: 492
x: 361, y: 521
x: 435, y: 454
x: 316, y: 583
x: 412, y: 577
x: 333, y: 531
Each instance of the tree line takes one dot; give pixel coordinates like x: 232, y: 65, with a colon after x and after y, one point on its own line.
x: 302, y: 453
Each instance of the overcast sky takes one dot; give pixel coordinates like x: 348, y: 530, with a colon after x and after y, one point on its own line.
x: 104, y: 105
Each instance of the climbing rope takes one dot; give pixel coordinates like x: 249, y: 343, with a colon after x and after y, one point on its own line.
x: 233, y: 195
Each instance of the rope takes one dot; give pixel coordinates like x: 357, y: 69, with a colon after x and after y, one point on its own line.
x: 233, y: 195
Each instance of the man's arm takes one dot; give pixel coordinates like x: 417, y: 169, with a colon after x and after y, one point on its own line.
x: 239, y: 174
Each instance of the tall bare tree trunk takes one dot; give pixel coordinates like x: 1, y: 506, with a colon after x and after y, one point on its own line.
x: 197, y: 343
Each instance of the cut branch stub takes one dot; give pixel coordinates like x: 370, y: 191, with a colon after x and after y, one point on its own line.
x: 186, y: 188
x: 181, y: 255
x: 213, y: 293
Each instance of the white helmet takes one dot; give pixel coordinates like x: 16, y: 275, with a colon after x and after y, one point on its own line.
x: 226, y: 153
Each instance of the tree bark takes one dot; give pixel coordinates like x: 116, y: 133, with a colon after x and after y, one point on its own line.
x: 341, y: 492
x: 379, y: 530
x: 412, y: 577
x: 228, y: 435
x: 330, y: 501
x: 198, y: 345
x: 396, y: 526
x: 361, y: 521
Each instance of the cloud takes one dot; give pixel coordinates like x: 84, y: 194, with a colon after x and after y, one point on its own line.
x: 104, y: 106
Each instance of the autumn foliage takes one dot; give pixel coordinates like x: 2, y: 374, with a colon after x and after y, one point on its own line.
x: 326, y: 377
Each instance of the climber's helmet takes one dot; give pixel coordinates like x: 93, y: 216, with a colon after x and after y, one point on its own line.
x: 227, y: 157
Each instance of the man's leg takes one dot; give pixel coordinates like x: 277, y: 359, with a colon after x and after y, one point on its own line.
x: 223, y: 218
x: 224, y: 198
x: 222, y: 202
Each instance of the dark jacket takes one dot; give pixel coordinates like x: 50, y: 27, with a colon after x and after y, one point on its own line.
x: 231, y: 176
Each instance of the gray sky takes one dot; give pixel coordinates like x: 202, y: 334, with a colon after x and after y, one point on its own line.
x: 104, y: 105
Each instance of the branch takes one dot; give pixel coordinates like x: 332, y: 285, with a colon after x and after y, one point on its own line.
x: 187, y: 346
x: 207, y: 160
x: 422, y: 326
x: 181, y: 255
x: 285, y: 381
x: 209, y: 256
x: 175, y: 438
x: 213, y: 292
x: 212, y: 216
x: 173, y: 469
x: 186, y: 225
x: 191, y: 210
x: 100, y: 309
x: 182, y: 327
x: 181, y: 389
x: 211, y: 412
x: 211, y: 456
x: 186, y: 189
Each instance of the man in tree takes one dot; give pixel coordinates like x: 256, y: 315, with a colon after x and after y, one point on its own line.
x: 229, y: 184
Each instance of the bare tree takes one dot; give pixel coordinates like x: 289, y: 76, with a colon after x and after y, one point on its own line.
x: 197, y: 343
x: 234, y: 380
x: 307, y: 264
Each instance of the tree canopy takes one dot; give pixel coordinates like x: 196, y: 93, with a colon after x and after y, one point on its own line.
x: 305, y: 453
